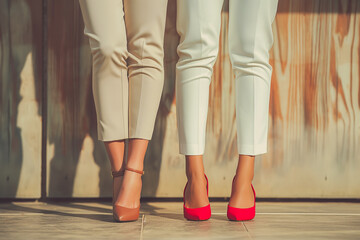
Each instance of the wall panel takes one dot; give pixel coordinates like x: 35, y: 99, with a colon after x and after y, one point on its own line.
x: 314, y: 112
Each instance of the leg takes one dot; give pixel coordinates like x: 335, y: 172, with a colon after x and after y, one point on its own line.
x: 198, y: 24
x: 130, y: 190
x: 109, y: 51
x: 110, y: 84
x: 115, y: 151
x: 145, y: 36
x: 195, y: 192
x: 241, y: 192
x: 250, y: 39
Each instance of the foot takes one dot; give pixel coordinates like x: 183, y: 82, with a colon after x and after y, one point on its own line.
x: 129, y: 191
x: 242, y: 195
x: 196, y: 193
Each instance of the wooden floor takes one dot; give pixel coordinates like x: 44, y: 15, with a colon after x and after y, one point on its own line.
x: 164, y: 220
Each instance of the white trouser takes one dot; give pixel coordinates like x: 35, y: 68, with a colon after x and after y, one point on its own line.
x: 250, y: 39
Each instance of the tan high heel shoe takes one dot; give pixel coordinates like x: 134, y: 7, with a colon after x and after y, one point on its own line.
x: 124, y: 214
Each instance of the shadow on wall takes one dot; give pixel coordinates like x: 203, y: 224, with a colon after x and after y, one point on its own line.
x: 154, y: 154
x: 20, y: 43
x: 71, y: 117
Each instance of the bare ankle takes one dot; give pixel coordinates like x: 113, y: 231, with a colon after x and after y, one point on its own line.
x: 195, y: 175
x: 194, y: 167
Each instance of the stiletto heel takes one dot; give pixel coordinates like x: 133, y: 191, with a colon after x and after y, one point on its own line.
x: 124, y: 214
x: 198, y: 214
x: 241, y: 214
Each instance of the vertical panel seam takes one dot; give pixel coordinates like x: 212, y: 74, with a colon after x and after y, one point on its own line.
x: 43, y: 184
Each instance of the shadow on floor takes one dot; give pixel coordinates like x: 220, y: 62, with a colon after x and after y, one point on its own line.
x: 102, y: 213
x: 105, y: 217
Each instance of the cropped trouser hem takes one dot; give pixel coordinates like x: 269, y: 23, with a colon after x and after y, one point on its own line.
x: 119, y: 138
x: 192, y: 149
x: 199, y: 149
x: 252, y: 150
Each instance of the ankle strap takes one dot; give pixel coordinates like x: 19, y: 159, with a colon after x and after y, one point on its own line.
x: 118, y: 173
x: 135, y: 170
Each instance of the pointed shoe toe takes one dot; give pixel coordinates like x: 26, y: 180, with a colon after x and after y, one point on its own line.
x: 124, y: 214
x: 197, y: 214
x: 240, y: 214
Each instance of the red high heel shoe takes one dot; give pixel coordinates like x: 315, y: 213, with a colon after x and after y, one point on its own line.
x: 241, y: 214
x: 198, y: 214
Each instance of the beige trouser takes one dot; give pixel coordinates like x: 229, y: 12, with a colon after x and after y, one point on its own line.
x: 126, y: 40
